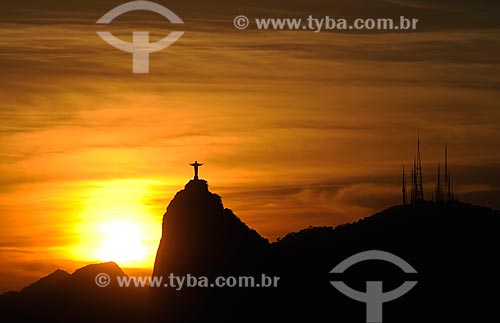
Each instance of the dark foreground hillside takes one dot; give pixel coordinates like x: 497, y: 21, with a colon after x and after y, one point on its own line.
x: 454, y: 247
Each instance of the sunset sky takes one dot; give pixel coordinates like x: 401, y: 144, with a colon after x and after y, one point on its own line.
x: 295, y: 128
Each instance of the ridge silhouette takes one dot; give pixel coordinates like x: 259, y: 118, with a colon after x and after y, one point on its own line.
x: 453, y: 246
x: 202, y: 238
x: 61, y: 297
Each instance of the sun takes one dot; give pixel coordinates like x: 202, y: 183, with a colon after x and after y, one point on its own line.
x: 122, y: 243
x: 118, y: 222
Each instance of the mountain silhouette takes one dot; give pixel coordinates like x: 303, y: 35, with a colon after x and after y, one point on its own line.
x: 47, y: 284
x: 61, y: 297
x: 453, y: 247
x: 202, y: 238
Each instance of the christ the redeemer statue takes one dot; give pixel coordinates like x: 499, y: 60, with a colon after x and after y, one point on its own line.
x: 196, y: 165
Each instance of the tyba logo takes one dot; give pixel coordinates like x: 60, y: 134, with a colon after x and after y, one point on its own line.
x: 140, y: 46
x: 374, y: 297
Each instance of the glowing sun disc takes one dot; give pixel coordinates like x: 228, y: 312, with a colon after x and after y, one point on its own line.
x: 123, y: 243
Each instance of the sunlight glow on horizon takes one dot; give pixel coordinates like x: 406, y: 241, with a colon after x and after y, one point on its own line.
x: 118, y: 224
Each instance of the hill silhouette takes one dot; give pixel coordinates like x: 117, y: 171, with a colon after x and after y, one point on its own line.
x: 61, y: 297
x: 453, y: 247
x: 200, y: 237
